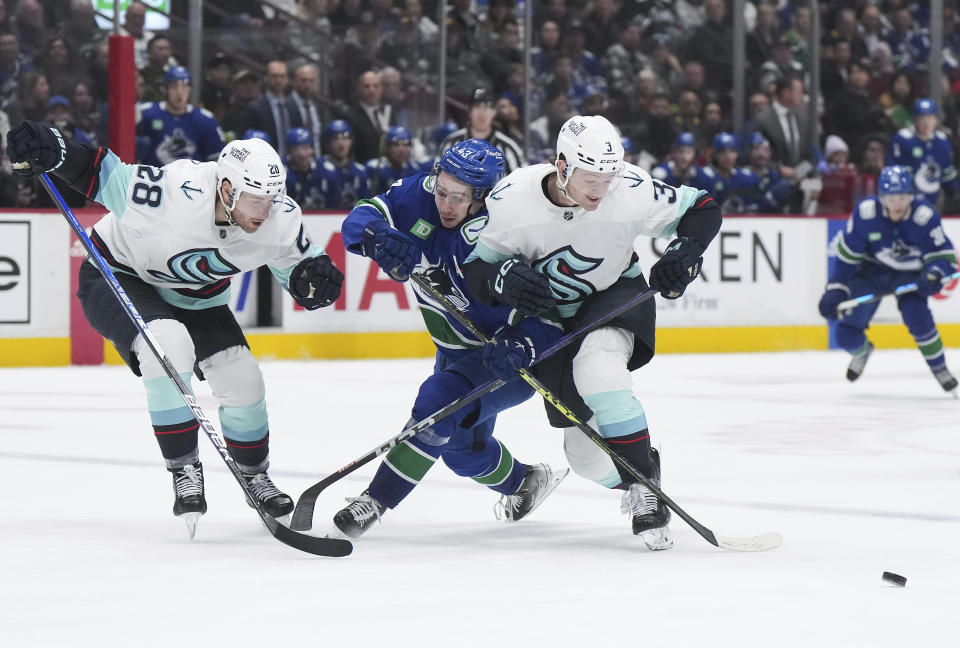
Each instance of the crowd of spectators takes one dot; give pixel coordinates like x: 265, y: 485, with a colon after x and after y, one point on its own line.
x: 346, y: 90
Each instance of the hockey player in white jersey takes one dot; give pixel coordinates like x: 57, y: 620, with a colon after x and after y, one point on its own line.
x: 174, y: 236
x: 563, y: 235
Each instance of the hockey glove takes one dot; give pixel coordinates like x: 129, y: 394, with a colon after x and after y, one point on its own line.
x: 931, y: 277
x: 835, y: 294
x: 677, y: 268
x: 34, y: 147
x: 516, y: 284
x: 505, y: 356
x: 315, y: 282
x: 392, y: 251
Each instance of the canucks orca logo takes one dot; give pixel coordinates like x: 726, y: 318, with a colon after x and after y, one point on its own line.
x: 562, y: 268
x: 927, y: 177
x: 201, y: 265
x: 443, y: 284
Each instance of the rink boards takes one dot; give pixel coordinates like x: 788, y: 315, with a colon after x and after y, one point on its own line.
x: 758, y: 291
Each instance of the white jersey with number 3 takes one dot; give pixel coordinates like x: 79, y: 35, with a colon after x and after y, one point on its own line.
x: 581, y: 252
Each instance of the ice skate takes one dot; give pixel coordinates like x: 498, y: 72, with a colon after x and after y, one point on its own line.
x: 189, y: 501
x: 858, y: 362
x: 357, y: 517
x: 649, y: 516
x: 537, y: 484
x: 275, y: 502
x: 946, y: 380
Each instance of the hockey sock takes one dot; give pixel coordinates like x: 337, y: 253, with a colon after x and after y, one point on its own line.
x: 400, y: 472
x: 931, y: 347
x: 623, y: 423
x: 252, y: 456
x: 506, y: 474
x: 174, y: 426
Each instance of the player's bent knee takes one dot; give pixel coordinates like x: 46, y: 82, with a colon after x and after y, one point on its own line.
x: 234, y: 376
x: 600, y: 365
x: 176, y: 343
x: 585, y: 457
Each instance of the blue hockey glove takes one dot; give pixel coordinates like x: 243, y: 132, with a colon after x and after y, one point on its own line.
x: 34, y: 147
x: 516, y: 284
x: 391, y: 250
x: 677, y: 268
x: 315, y: 282
x: 505, y: 356
x: 835, y: 294
x: 931, y: 277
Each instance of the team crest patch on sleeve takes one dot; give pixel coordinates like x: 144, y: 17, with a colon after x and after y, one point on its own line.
x: 471, y: 230
x: 422, y: 229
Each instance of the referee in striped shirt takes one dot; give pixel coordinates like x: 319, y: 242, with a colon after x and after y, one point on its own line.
x: 480, y: 126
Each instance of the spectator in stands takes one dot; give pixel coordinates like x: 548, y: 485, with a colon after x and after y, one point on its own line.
x: 246, y: 90
x: 798, y: 36
x: 480, y: 126
x: 544, y: 129
x: 368, y: 115
x: 835, y: 70
x: 872, y: 29
x: 463, y: 64
x: 275, y: 113
x: 306, y: 96
x: 60, y: 114
x: 394, y: 95
x: 688, y: 116
x: 500, y: 14
x: 395, y: 163
x: 312, y: 30
x: 86, y: 113
x: 356, y: 55
x: 898, y: 38
x: 215, y: 93
x: 897, y: 102
x: 426, y: 28
x: 31, y: 30
x: 13, y: 65
x: 872, y: 160
x: 98, y: 71
x: 604, y: 26
x: 81, y: 29
x: 504, y: 50
x: 411, y: 53
x: 679, y: 168
x: 926, y: 152
x: 762, y: 37
x: 174, y: 129
x: 564, y: 77
x: 840, y: 186
x: 465, y: 22
x: 656, y: 131
x: 663, y: 62
x: 623, y: 62
x: 507, y: 119
x: 845, y: 28
x: 787, y: 128
x: 853, y: 113
x: 546, y: 50
x: 349, y: 178
x: 782, y: 64
x: 159, y: 53
x: 59, y: 65
x: 133, y: 22
x: 309, y: 182
x: 31, y: 99
x: 712, y: 44
x: 587, y: 68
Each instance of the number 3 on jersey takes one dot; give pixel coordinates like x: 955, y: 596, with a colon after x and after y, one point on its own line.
x: 148, y: 193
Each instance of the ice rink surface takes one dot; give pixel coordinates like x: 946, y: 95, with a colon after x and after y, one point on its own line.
x: 859, y: 478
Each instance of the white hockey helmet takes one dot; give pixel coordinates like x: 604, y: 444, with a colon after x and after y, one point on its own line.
x: 591, y: 143
x: 251, y: 166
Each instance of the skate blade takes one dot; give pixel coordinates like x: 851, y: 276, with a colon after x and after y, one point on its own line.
x: 657, y: 539
x: 334, y: 533
x: 557, y: 478
x: 191, y: 520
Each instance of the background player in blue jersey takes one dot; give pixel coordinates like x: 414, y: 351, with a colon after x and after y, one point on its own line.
x: 395, y: 163
x: 758, y: 186
x: 926, y: 152
x: 176, y: 130
x: 721, y: 177
x: 679, y: 168
x: 308, y: 181
x: 174, y: 236
x: 891, y: 239
x: 349, y: 178
x: 433, y: 220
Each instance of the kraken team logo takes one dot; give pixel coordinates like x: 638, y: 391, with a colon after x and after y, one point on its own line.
x: 196, y: 266
x: 562, y: 267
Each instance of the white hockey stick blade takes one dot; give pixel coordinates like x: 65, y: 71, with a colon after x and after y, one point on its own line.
x: 191, y: 520
x: 762, y: 542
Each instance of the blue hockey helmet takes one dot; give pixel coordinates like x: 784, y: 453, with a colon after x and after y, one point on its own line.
x: 398, y: 134
x: 895, y: 180
x: 253, y: 133
x: 723, y: 141
x: 685, y: 139
x: 298, y: 136
x: 441, y: 132
x: 337, y: 127
x: 177, y: 73
x: 757, y: 139
x: 627, y: 144
x: 924, y: 106
x: 475, y: 162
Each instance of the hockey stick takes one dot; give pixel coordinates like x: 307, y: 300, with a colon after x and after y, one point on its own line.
x: 760, y: 542
x: 848, y: 305
x: 302, y: 518
x: 303, y: 542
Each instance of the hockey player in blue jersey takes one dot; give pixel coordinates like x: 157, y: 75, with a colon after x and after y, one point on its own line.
x: 349, y: 178
x: 432, y: 220
x: 174, y: 236
x: 891, y: 239
x: 926, y: 152
x: 176, y: 130
x: 395, y: 163
x: 758, y: 187
x: 723, y: 175
x: 308, y: 181
x: 679, y: 169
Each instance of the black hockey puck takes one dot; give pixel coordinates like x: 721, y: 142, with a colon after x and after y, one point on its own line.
x: 894, y: 579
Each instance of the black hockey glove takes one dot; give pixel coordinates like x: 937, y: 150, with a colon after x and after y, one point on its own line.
x: 835, y: 294
x: 315, y: 282
x: 34, y: 147
x: 677, y: 268
x: 516, y: 284
x: 505, y: 356
x: 392, y: 251
x: 931, y: 277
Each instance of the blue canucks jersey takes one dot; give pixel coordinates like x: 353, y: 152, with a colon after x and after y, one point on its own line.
x: 382, y: 174
x: 720, y: 187
x: 409, y: 207
x: 908, y: 245
x: 311, y: 189
x: 163, y: 138
x: 763, y: 191
x: 349, y: 183
x: 931, y: 161
x: 667, y: 173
